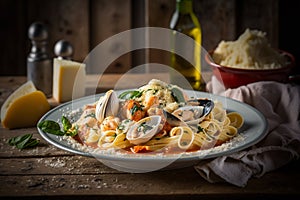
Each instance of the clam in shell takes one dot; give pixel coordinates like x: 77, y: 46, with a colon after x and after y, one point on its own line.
x: 143, y: 130
x: 194, y: 114
x: 108, y: 105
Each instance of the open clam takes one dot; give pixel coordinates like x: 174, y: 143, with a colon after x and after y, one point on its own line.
x: 195, y: 111
x: 143, y: 130
x: 108, y: 105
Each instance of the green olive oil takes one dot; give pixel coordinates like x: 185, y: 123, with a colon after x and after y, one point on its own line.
x: 185, y: 21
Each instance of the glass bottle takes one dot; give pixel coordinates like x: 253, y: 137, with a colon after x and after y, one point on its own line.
x: 185, y: 21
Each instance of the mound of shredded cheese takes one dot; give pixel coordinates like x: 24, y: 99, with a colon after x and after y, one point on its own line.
x: 250, y: 51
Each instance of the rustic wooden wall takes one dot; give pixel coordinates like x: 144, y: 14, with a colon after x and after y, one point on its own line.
x: 86, y: 23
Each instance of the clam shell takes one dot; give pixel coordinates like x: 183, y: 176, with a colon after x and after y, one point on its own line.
x: 195, y: 111
x: 190, y: 114
x: 143, y: 130
x: 108, y: 105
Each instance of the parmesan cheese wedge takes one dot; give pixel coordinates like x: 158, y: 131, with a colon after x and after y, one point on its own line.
x: 24, y: 107
x: 68, y: 80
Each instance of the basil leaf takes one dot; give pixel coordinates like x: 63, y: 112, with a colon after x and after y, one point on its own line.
x: 31, y: 143
x: 23, y: 141
x: 72, y: 132
x: 51, y: 127
x: 66, y: 123
x: 177, y: 95
x: 130, y: 94
x: 21, y: 144
x: 15, y: 140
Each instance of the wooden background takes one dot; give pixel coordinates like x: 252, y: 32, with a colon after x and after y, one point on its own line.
x: 86, y: 23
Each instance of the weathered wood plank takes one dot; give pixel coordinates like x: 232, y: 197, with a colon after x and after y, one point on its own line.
x: 43, y: 148
x: 107, y: 19
x: 266, y: 18
x: 125, y: 81
x: 53, y: 165
x: 8, y: 84
x: 12, y: 38
x: 66, y: 19
x: 161, y: 183
x: 159, y: 15
x: 217, y: 20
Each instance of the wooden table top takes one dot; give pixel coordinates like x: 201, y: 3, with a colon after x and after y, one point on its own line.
x: 51, y: 172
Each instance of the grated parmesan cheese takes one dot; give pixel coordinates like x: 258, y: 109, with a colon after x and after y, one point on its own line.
x: 250, y: 51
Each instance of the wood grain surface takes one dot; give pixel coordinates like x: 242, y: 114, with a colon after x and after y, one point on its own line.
x: 51, y: 173
x: 86, y: 23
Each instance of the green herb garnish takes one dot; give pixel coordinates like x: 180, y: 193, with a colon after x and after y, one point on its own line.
x: 121, y: 127
x: 200, y: 129
x: 51, y: 127
x: 66, y: 123
x: 54, y: 128
x: 130, y: 94
x: 23, y: 141
x: 177, y: 95
x: 92, y: 115
x: 144, y: 127
x: 155, y: 91
x: 134, y: 109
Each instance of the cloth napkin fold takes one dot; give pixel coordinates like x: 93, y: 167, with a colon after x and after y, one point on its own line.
x: 280, y: 104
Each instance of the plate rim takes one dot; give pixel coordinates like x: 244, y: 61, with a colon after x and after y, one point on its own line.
x: 178, y: 157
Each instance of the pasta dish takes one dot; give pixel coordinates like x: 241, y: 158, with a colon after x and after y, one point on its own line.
x: 156, y: 117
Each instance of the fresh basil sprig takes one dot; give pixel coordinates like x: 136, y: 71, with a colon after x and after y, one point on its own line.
x: 130, y: 94
x: 51, y: 127
x: 23, y: 141
x: 54, y: 128
x: 177, y: 95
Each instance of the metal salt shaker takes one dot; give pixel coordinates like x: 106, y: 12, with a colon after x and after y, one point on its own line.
x: 39, y: 65
x: 63, y: 50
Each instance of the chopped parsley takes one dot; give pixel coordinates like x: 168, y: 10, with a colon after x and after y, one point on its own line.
x: 92, y: 115
x: 135, y: 108
x: 121, y: 127
x: 200, y: 129
x: 144, y: 127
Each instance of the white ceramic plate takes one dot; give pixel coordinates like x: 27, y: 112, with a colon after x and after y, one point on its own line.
x: 253, y: 130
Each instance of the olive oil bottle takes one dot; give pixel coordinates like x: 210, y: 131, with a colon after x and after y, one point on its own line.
x: 185, y: 21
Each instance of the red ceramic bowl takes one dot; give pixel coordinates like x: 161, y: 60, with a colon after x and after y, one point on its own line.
x: 233, y: 77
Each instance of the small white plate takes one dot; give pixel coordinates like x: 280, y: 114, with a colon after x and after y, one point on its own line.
x: 253, y: 130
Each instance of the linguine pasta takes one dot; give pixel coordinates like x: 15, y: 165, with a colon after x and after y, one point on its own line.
x: 154, y: 119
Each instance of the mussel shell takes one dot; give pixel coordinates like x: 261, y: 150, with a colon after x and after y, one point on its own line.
x: 173, y: 120
x: 206, y: 103
x: 193, y: 112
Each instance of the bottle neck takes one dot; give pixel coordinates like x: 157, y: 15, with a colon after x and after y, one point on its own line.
x: 184, y: 6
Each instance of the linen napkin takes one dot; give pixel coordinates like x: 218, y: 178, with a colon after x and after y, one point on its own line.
x: 280, y: 104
